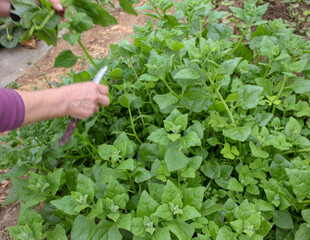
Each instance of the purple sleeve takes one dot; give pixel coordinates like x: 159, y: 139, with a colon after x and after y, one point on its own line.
x: 12, y: 110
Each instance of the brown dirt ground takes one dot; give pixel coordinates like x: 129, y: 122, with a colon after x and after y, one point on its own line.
x: 97, y: 41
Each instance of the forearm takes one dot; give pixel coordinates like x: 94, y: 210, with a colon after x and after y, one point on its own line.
x: 44, y: 105
x: 80, y: 100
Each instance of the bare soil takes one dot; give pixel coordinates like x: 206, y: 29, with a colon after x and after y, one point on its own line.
x: 96, y: 41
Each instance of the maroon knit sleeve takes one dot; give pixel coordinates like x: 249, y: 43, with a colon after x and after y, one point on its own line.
x: 12, y: 110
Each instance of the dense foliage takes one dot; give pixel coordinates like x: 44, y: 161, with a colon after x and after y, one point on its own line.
x: 206, y: 137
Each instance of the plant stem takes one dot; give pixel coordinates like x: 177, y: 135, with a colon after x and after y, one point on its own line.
x: 133, y: 126
x: 132, y: 184
x: 87, y: 54
x: 87, y: 141
x: 220, y: 97
x: 142, y: 120
x: 298, y: 151
x: 169, y: 88
x: 46, y: 19
x: 209, y: 184
x: 279, y: 94
x: 243, y: 35
x: 226, y: 107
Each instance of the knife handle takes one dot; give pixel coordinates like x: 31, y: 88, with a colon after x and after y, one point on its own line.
x: 68, y: 132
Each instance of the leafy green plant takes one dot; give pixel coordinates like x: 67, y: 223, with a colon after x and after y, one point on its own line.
x: 206, y: 137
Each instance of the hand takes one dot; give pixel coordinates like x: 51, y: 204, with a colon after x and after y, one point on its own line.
x: 79, y: 100
x: 56, y: 5
x: 5, y: 7
x: 84, y: 99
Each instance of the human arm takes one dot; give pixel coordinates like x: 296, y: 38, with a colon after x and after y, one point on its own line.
x: 79, y: 100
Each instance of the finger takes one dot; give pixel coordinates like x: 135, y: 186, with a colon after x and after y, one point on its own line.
x: 96, y: 109
x: 103, y: 100
x: 57, y: 5
x: 103, y: 89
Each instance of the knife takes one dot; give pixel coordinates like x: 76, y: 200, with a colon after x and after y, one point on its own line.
x: 74, y: 121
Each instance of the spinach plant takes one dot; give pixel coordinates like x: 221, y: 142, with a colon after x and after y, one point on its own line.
x: 206, y: 137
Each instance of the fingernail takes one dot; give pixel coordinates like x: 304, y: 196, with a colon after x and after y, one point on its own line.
x: 59, y: 7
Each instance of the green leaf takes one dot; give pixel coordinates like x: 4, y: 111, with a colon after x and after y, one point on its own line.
x: 28, y: 216
x: 182, y: 230
x: 71, y: 38
x: 211, y: 169
x: 66, y: 204
x: 195, y: 99
x: 116, y: 73
x: 114, y: 188
x: 244, y: 210
x: 238, y: 133
x: 300, y: 85
x: 300, y: 182
x: 170, y: 192
x: 225, y: 233
x: 137, y: 227
x: 16, y: 33
x: 248, y: 96
x: 65, y: 59
x: 189, y: 212
x: 18, y: 170
x: 188, y: 74
x: 210, y: 206
x: 234, y: 185
x: 85, y: 186
x: 258, y: 152
x: 83, y: 228
x: 58, y: 233
x: 278, y: 165
x: 147, y: 205
x: 298, y: 66
x: 48, y: 35
x: 283, y: 219
x: 124, y: 221
x: 306, y: 215
x: 30, y: 197
x: 175, y: 159
x: 106, y: 230
x: 159, y: 136
x: 142, y: 175
x: 229, y: 66
x: 163, y: 211
x: 267, y: 45
x: 96, y: 209
x: 194, y: 197
x: 127, y: 7
x: 190, y: 140
x: 106, y: 151
x: 303, y: 232
x: 54, y: 180
x: 165, y: 100
x: 218, y: 31
x: 162, y: 233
